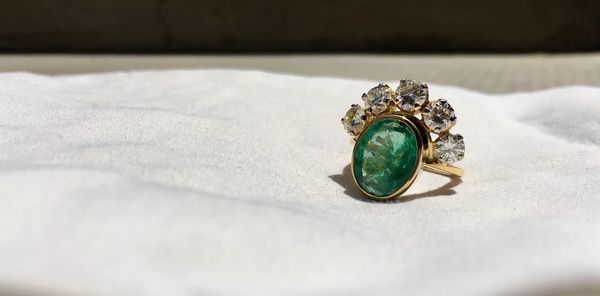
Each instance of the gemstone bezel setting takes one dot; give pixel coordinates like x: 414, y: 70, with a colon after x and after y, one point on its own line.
x: 423, y: 149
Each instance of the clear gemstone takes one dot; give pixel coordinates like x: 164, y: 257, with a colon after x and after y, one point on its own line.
x: 354, y: 120
x: 378, y: 98
x: 439, y: 116
x: 449, y: 148
x: 411, y: 95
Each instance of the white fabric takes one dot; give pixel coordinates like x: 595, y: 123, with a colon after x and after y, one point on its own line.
x: 237, y: 183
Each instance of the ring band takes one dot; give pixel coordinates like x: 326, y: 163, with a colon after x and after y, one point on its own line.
x: 393, y: 138
x: 444, y: 169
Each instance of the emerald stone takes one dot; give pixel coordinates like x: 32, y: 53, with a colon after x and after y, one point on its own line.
x: 385, y: 156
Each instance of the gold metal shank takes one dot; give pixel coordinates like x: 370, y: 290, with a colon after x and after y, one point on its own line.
x: 444, y: 169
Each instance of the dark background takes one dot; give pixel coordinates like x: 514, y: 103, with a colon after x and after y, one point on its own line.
x: 299, y: 26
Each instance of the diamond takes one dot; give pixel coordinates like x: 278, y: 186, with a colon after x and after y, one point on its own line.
x: 439, y: 116
x: 449, y: 148
x: 411, y: 94
x: 354, y: 120
x: 378, y: 98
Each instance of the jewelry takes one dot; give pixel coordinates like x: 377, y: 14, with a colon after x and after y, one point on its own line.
x: 392, y: 137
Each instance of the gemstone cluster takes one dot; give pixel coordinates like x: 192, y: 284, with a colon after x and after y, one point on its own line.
x: 388, y: 146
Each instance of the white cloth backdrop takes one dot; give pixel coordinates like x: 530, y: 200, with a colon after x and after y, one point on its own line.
x: 237, y: 183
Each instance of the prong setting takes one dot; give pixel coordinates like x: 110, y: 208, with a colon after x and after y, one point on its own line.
x: 379, y: 99
x: 412, y: 95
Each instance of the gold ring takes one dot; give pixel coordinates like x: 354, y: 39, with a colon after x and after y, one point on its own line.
x: 392, y: 137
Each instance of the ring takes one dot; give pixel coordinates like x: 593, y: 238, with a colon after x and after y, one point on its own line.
x: 392, y: 137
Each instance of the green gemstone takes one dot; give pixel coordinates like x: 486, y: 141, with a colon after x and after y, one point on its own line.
x: 385, y: 156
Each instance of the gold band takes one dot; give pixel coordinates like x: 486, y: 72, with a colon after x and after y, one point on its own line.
x: 444, y: 169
